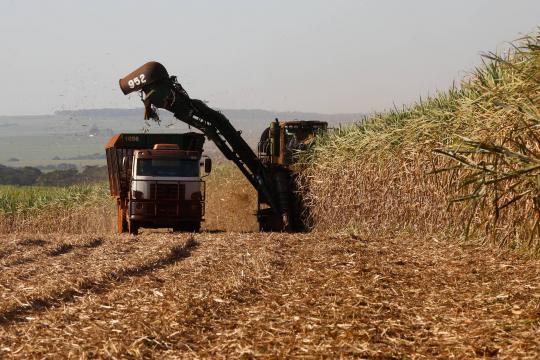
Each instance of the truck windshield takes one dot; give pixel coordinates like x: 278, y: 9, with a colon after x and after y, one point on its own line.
x: 168, y: 167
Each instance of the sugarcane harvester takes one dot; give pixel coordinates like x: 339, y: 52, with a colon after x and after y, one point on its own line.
x: 278, y: 206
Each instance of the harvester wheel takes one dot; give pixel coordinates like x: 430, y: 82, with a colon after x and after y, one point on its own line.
x: 269, y: 222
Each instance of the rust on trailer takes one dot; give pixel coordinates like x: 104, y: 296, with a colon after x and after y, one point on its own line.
x: 166, y: 147
x: 112, y: 141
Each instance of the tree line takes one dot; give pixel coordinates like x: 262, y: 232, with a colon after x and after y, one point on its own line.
x: 33, y: 176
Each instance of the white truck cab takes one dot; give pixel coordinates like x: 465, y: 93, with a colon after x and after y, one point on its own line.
x: 167, y: 189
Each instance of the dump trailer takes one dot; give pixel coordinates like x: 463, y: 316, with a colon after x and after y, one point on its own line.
x: 279, y: 208
x: 157, y: 180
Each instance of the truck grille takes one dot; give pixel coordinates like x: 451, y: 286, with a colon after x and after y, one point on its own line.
x: 167, y: 191
x: 167, y: 210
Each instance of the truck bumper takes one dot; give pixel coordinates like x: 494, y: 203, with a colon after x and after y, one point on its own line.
x: 165, y: 214
x: 145, y: 221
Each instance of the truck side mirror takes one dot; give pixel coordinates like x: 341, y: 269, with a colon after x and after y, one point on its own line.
x: 207, y: 165
x: 124, y: 162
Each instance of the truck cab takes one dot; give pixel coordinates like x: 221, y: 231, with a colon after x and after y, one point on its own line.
x: 158, y: 185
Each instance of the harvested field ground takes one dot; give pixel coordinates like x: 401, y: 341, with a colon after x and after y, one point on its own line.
x: 211, y: 295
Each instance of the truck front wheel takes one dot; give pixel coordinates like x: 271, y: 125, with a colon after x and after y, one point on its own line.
x: 194, y: 226
x: 133, y: 228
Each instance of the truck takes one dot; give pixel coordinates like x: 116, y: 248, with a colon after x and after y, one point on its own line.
x: 157, y: 180
x: 270, y: 171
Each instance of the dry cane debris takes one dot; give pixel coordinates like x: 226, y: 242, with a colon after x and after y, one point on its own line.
x: 246, y: 295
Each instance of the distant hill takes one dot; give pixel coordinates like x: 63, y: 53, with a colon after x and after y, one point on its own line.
x: 250, y: 121
x: 232, y: 114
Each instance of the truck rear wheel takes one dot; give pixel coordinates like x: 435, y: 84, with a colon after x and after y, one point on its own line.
x: 121, y: 221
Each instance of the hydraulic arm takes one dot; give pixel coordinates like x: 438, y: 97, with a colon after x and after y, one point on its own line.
x: 159, y: 90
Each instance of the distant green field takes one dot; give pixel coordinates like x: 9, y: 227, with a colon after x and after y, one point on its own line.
x: 36, y: 163
x: 31, y: 199
x: 41, y: 149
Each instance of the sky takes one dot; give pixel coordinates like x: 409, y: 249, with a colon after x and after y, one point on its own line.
x: 298, y: 55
